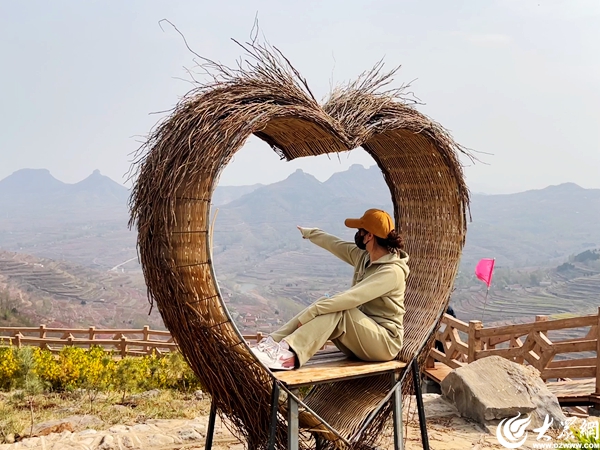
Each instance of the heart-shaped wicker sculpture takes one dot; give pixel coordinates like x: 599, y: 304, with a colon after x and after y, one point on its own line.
x: 171, y: 199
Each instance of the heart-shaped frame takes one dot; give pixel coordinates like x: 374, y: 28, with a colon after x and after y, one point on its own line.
x: 179, y: 168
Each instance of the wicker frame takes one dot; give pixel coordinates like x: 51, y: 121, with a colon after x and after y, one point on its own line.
x: 178, y: 169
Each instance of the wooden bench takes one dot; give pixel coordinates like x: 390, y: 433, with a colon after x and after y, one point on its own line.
x: 331, y: 366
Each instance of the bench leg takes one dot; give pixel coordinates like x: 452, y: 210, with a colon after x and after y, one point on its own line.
x: 420, y: 407
x: 274, y: 410
x: 211, y: 426
x: 318, y: 441
x: 397, y: 415
x: 293, y: 421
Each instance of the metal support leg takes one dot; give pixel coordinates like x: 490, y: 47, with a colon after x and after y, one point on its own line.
x: 420, y: 407
x: 397, y: 415
x: 292, y: 421
x: 318, y: 441
x: 274, y: 410
x: 211, y: 426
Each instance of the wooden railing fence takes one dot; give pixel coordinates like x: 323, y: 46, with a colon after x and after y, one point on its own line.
x: 126, y: 342
x: 526, y: 343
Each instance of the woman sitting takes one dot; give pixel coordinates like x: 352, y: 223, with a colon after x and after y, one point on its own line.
x: 366, y: 321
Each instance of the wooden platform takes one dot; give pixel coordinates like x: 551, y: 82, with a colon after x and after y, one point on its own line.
x: 330, y: 366
x: 439, y: 372
x: 574, y: 392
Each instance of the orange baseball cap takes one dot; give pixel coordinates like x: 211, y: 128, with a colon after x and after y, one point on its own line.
x: 374, y: 221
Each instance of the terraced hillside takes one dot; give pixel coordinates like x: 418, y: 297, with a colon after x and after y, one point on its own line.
x: 560, y: 293
x: 66, y: 294
x: 299, y: 276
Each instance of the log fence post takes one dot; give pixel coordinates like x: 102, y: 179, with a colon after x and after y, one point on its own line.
x: 542, y: 318
x: 70, y: 339
x: 18, y: 337
x: 430, y: 362
x: 474, y: 339
x: 123, y: 346
x: 146, y: 337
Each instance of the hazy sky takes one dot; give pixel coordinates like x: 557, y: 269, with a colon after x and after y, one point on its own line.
x: 517, y: 79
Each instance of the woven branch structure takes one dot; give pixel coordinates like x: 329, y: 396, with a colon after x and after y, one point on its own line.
x: 178, y: 169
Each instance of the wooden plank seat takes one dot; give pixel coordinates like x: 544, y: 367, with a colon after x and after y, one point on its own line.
x: 331, y: 366
x: 335, y: 367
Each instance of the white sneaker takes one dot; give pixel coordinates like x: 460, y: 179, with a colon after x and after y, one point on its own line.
x: 267, y: 342
x: 273, y: 355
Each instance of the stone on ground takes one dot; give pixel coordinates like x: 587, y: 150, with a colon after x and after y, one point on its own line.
x: 71, y: 424
x: 495, y: 388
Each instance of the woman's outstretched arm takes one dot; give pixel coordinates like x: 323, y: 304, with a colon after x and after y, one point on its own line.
x: 346, y: 251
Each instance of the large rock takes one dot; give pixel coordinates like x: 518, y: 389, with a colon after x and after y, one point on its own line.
x: 495, y: 388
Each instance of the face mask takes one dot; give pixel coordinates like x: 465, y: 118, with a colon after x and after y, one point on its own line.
x: 359, y: 241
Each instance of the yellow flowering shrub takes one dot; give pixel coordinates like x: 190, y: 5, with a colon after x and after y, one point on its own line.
x: 98, y: 370
x: 95, y: 369
x: 9, y: 365
x: 72, y: 361
x: 47, y: 367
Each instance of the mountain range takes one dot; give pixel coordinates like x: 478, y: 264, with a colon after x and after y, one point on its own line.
x: 34, y: 194
x: 81, y: 245
x: 523, y: 229
x: 529, y: 228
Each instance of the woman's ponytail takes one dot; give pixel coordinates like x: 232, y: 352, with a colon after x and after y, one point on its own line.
x: 393, y: 243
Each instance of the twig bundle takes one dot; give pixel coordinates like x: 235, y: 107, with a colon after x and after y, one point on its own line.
x: 178, y: 169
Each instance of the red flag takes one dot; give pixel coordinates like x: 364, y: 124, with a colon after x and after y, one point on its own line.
x: 484, y: 270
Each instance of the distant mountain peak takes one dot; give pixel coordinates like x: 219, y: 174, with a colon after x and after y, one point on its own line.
x: 30, y: 180
x: 355, y: 167
x: 566, y: 186
x: 97, y: 177
x: 100, y: 184
x: 300, y: 175
x: 555, y: 190
x: 362, y: 183
x: 27, y: 170
x: 31, y: 173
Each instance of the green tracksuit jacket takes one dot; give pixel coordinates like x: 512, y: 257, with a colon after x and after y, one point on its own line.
x: 377, y: 287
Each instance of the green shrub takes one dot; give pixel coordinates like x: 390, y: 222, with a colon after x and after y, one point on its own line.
x: 586, y: 436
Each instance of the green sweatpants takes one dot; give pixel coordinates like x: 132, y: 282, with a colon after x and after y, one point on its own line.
x: 352, y: 331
